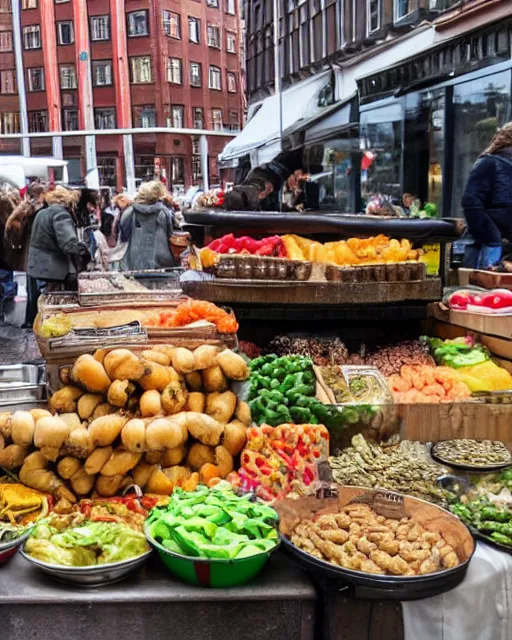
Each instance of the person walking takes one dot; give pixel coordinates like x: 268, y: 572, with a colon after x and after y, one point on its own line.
x: 56, y: 255
x: 487, y: 202
x: 147, y: 225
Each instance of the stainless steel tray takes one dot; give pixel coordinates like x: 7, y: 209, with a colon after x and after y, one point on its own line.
x: 15, y: 394
x: 19, y: 374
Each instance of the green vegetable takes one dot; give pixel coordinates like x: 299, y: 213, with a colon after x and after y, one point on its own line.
x: 499, y: 537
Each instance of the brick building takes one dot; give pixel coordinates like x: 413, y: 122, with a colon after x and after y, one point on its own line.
x: 108, y: 64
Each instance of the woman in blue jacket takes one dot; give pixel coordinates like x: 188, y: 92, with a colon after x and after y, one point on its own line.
x: 487, y: 202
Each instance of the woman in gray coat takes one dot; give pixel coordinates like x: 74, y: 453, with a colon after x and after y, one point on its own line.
x: 56, y: 254
x: 147, y: 226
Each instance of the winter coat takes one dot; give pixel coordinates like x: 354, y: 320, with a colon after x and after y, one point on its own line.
x: 487, y: 201
x: 147, y: 229
x: 17, y: 234
x: 55, y: 250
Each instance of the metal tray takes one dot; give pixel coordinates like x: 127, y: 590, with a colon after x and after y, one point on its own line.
x: 20, y: 374
x: 15, y: 394
x: 467, y: 467
x: 95, y: 576
x: 478, y: 535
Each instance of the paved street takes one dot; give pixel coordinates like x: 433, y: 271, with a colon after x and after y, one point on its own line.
x: 17, y: 345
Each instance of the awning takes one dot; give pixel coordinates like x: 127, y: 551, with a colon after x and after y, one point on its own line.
x: 261, y: 137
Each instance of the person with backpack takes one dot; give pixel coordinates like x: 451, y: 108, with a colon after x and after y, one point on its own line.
x: 487, y: 202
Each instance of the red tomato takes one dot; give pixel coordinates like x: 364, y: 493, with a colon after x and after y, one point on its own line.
x: 497, y: 300
x: 460, y: 300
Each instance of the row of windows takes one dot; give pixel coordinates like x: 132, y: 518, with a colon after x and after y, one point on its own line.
x: 102, y: 75
x: 229, y: 5
x: 105, y: 118
x: 138, y: 25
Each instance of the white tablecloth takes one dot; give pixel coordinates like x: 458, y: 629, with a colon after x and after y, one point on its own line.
x: 478, y: 609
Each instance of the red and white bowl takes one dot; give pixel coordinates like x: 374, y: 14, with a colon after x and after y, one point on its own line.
x: 8, y: 549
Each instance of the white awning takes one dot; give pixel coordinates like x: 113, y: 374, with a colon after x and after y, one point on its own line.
x: 261, y: 136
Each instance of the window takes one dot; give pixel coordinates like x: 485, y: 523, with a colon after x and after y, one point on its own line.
x: 65, y: 33
x: 141, y: 70
x: 402, y: 8
x: 5, y: 6
x: 70, y: 119
x: 195, y: 74
x: 197, y: 118
x: 231, y: 82
x: 37, y: 121
x: 177, y: 169
x: 102, y: 73
x: 100, y: 28
x: 234, y: 121
x: 7, y: 82
x: 213, y: 3
x: 5, y: 41
x: 174, y: 71
x: 60, y: 1
x: 213, y: 36
x: 196, y: 169
x: 172, y: 25
x: 230, y: 7
x: 177, y: 119
x: 29, y: 4
x: 68, y: 76
x: 32, y: 37
x: 217, y: 124
x: 230, y: 42
x: 105, y: 118
x: 137, y: 24
x: 214, y: 79
x: 10, y: 122
x: 144, y: 116
x: 35, y: 79
x: 373, y: 15
x: 194, y: 30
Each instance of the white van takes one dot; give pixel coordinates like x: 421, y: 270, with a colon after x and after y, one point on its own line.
x: 18, y: 170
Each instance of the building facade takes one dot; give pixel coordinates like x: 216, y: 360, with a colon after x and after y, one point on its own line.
x: 113, y: 64
x: 404, y: 94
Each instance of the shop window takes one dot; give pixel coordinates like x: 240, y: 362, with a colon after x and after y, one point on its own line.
x: 177, y: 118
x: 217, y: 123
x: 32, y: 37
x: 197, y: 117
x: 144, y: 167
x: 172, y: 26
x: 70, y: 119
x: 37, y: 121
x: 137, y: 24
x: 68, y: 76
x: 230, y: 42
x: 177, y: 170
x: 195, y: 74
x: 213, y: 32
x: 107, y: 170
x: 230, y: 7
x: 7, y: 82
x: 141, y: 72
x: 35, y: 79
x: 194, y: 30
x: 10, y: 122
x: 231, y: 78
x: 214, y: 78
x: 480, y: 107
x: 29, y: 4
x: 105, y: 118
x: 65, y: 32
x: 174, y: 71
x: 5, y: 41
x: 102, y: 73
x: 100, y: 28
x: 145, y: 116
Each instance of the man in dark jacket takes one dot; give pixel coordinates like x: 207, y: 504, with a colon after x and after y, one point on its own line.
x: 487, y: 202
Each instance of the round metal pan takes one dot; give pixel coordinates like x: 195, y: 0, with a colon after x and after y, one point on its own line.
x: 499, y: 466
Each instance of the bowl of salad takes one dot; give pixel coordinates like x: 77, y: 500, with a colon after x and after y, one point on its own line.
x: 213, y: 537
x: 98, y: 543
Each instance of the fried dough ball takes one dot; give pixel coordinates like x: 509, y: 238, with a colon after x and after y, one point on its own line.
x: 22, y: 428
x: 103, y: 409
x: 203, y: 428
x: 243, y: 413
x: 65, y: 400
x: 156, y: 356
x: 174, y: 398
x: 133, y: 435
x: 233, y: 366
x: 120, y: 462
x: 183, y: 360
x: 150, y: 403
x: 123, y: 364
x: 200, y: 454
x: 174, y: 456
x: 194, y: 381
x: 90, y: 374
x: 155, y: 376
x: 195, y: 402
x: 68, y: 466
x: 97, y: 459
x: 106, y: 429
x: 108, y: 486
x: 205, y: 356
x: 235, y: 437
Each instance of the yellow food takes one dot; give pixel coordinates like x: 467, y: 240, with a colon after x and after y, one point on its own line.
x: 233, y: 366
x: 174, y: 398
x: 205, y: 356
x: 203, y: 428
x: 90, y: 374
x: 34, y: 474
x: 133, y: 435
x: 123, y: 364
x: 162, y: 434
x: 150, y: 403
x: 50, y: 432
x: 120, y: 462
x: 200, y: 454
x: 106, y: 429
x: 174, y: 456
x: 155, y: 376
x: 78, y: 443
x: 195, y: 402
x: 119, y: 393
x: 103, y: 409
x: 108, y: 486
x: 156, y: 356
x: 183, y: 360
x: 235, y: 436
x: 81, y: 482
x: 243, y: 413
x: 68, y: 466
x: 22, y: 428
x: 97, y: 459
x: 214, y: 379
x: 65, y: 400
x: 194, y: 381
x: 87, y: 404
x: 222, y: 407
x: 12, y: 456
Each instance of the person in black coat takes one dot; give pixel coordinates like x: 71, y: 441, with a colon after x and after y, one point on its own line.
x: 487, y: 202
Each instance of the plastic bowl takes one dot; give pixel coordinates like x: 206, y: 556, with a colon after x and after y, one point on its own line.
x: 8, y: 549
x: 207, y: 572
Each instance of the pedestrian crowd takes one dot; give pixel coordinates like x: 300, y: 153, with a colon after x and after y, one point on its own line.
x: 52, y: 233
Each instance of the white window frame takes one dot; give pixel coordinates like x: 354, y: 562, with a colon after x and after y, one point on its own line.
x: 197, y: 22
x: 195, y: 121
x: 214, y: 71
x: 231, y: 74
x: 133, y: 69
x: 105, y: 29
x: 217, y: 126
x: 230, y: 36
x: 231, y: 7
x: 109, y: 75
x: 14, y: 125
x: 31, y: 116
x: 13, y: 87
x: 167, y: 17
x: 65, y: 112
x: 29, y: 34
x: 28, y: 4
x: 67, y: 23
x: 67, y: 77
x: 369, y: 29
x: 214, y: 4
x: 199, y: 75
x: 6, y: 39
x: 30, y: 84
x: 172, y: 68
x: 111, y: 111
x: 129, y: 16
x: 396, y: 17
x: 147, y: 120
x: 177, y: 118
x: 213, y: 43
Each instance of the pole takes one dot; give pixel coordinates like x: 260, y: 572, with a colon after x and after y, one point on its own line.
x: 277, y: 81
x: 20, y: 76
x: 203, y: 149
